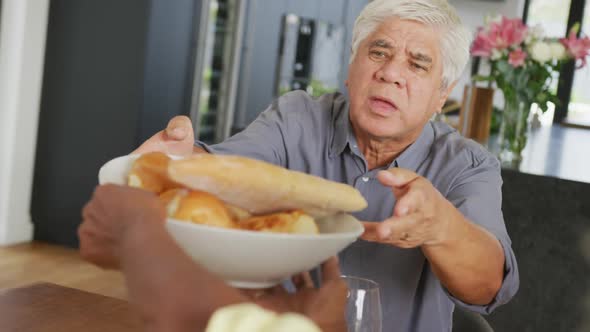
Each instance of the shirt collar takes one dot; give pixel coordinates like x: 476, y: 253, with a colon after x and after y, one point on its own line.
x: 342, y: 135
x: 418, y: 151
x: 341, y: 129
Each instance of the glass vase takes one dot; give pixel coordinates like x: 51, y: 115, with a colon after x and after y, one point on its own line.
x: 512, y: 137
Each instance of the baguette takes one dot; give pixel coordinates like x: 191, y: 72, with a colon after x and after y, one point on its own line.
x: 263, y: 188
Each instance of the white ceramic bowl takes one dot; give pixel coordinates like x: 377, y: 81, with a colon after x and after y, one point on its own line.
x: 248, y: 259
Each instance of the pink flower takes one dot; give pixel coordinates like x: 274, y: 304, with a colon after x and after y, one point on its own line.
x: 578, y: 48
x: 516, y: 58
x: 499, y: 36
x: 482, y: 45
x: 510, y: 32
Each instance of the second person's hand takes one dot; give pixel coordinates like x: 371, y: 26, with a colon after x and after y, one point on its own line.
x: 325, y: 305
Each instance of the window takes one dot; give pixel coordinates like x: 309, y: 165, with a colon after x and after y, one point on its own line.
x: 216, y: 69
x: 556, y: 17
x: 579, y: 106
x: 552, y: 15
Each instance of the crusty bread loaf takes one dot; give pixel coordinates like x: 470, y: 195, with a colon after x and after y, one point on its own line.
x: 262, y: 188
x: 295, y: 222
x: 149, y: 172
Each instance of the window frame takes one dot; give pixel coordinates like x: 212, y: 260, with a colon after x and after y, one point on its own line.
x: 566, y: 75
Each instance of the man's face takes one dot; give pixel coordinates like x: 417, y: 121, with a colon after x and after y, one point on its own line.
x: 395, y: 79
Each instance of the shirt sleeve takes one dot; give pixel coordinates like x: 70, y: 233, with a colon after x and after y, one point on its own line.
x: 477, y: 193
x: 247, y: 317
x: 265, y: 138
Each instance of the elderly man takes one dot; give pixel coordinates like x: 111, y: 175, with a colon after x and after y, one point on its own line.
x: 435, y: 235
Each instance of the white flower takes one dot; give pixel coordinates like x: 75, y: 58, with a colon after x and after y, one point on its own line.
x: 496, y: 55
x: 558, y: 51
x: 541, y: 52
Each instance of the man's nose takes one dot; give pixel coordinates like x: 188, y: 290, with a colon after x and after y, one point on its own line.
x: 392, y: 72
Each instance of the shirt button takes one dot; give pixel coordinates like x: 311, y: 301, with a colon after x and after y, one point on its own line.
x: 354, y: 146
x: 365, y: 178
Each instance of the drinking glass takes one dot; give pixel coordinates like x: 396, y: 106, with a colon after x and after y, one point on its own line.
x: 363, y: 310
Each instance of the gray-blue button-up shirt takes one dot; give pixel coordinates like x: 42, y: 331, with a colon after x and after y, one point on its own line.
x: 315, y: 136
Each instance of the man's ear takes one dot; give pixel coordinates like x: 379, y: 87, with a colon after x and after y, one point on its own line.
x: 445, y: 94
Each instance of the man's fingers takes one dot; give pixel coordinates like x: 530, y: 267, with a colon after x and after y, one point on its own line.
x: 398, y: 231
x: 395, y: 227
x: 409, y: 203
x: 401, y: 231
x: 396, y: 177
x: 377, y: 231
x: 93, y: 248
x: 154, y: 143
x: 370, y: 233
x: 177, y: 138
x: 179, y: 128
x: 331, y: 270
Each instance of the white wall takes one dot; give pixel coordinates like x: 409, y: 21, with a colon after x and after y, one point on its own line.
x: 23, y: 28
x: 472, y: 13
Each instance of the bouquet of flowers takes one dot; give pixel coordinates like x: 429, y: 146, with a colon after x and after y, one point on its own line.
x: 523, y: 64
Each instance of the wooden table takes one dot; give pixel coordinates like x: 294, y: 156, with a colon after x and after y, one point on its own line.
x: 30, y: 263
x: 51, y: 308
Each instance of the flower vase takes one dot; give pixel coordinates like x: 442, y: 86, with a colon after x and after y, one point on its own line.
x: 512, y: 137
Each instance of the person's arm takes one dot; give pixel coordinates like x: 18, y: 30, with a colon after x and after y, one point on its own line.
x: 470, y: 259
x: 263, y: 139
x: 266, y: 138
x: 477, y: 196
x: 170, y: 290
x: 124, y: 228
x: 179, y: 295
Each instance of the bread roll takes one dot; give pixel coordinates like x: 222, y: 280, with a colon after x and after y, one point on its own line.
x: 171, y: 199
x: 262, y: 188
x: 149, y: 172
x: 197, y: 207
x: 203, y: 208
x: 295, y: 222
x: 237, y: 213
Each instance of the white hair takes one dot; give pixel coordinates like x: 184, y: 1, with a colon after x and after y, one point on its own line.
x: 455, y: 37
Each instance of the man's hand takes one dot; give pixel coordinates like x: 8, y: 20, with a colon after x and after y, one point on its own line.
x: 419, y: 216
x: 113, y: 212
x: 466, y: 258
x: 326, y: 305
x: 178, y: 139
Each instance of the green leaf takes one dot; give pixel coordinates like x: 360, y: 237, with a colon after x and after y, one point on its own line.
x: 504, y: 67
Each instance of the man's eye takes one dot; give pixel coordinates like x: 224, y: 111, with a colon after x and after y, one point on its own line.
x: 378, y: 54
x: 417, y: 66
